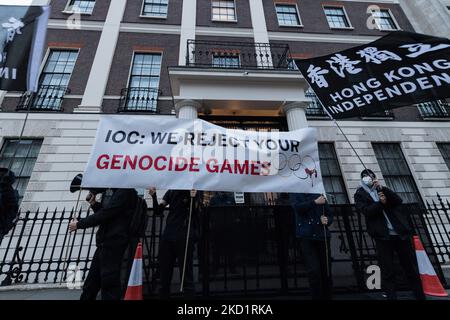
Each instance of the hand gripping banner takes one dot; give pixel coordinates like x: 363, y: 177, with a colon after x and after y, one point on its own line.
x: 169, y: 153
x: 400, y: 69
x: 23, y: 31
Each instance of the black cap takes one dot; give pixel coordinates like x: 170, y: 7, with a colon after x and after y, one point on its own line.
x: 367, y: 172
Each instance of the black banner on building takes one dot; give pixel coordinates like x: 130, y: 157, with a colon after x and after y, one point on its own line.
x: 22, y: 41
x: 400, y: 69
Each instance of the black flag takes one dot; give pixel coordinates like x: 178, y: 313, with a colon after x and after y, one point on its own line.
x: 22, y: 42
x: 400, y: 69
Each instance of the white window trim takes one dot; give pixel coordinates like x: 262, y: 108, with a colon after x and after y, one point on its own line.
x: 142, y: 15
x: 397, y: 26
x: 226, y: 21
x: 132, y: 64
x: 68, y: 10
x: 350, y: 27
x: 297, y: 12
x: 47, y: 56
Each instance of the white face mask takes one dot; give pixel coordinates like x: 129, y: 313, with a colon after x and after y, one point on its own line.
x: 368, y: 181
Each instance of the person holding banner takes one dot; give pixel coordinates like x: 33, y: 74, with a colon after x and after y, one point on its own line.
x: 113, y: 219
x: 173, y: 241
x: 392, y: 231
x: 313, y: 217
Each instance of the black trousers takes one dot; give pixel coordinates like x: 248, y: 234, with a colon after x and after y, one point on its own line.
x: 104, y: 274
x: 172, y: 251
x: 408, y: 261
x: 316, y: 264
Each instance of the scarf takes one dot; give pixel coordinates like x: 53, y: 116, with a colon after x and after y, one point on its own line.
x: 371, y: 191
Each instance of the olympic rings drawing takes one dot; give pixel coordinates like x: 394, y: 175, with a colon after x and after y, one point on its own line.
x: 302, y: 168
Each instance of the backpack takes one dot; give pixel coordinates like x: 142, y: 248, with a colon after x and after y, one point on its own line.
x: 139, y: 220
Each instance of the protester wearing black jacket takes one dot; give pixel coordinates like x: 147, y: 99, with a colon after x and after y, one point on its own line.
x: 390, y: 226
x: 173, y: 241
x: 113, y: 220
x: 9, y: 202
x: 313, y: 216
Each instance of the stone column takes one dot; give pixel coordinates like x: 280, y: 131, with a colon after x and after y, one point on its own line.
x: 296, y: 115
x: 187, y: 109
x: 99, y: 75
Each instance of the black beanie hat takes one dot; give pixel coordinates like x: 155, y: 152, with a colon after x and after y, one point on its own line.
x: 367, y: 172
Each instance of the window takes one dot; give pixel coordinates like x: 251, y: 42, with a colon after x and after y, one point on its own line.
x: 226, y: 62
x: 20, y: 158
x: 223, y: 10
x: 82, y: 6
x: 384, y: 19
x: 155, y: 8
x: 287, y: 15
x: 54, y: 79
x: 315, y: 107
x: 435, y: 109
x: 396, y: 172
x: 331, y: 174
x: 445, y: 151
x: 337, y: 18
x: 144, y: 82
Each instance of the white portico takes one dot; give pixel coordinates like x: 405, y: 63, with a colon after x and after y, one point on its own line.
x: 240, y: 92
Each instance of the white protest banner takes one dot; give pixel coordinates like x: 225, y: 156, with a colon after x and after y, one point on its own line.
x: 169, y: 153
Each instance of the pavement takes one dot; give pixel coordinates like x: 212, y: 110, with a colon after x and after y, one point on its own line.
x: 52, y: 292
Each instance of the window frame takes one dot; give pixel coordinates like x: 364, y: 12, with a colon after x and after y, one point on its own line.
x: 3, y: 145
x: 412, y: 175
x: 397, y: 26
x: 446, y: 157
x: 225, y: 21
x: 68, y: 9
x: 130, y: 72
x: 338, y: 162
x: 226, y: 67
x: 342, y: 7
x: 142, y: 15
x: 45, y: 62
x: 297, y: 12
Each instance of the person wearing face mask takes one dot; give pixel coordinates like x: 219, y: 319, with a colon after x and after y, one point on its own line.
x: 391, y: 229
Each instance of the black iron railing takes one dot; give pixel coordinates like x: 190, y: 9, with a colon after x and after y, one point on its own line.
x: 139, y: 99
x: 435, y: 110
x: 243, y: 249
x: 315, y: 107
x: 386, y: 114
x: 238, y: 55
x: 48, y: 98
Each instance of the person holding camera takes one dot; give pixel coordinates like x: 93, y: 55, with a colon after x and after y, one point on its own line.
x: 113, y: 220
x: 173, y: 240
x: 313, y: 216
x: 391, y: 229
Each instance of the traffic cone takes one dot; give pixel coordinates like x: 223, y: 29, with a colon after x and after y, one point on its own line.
x: 430, y: 282
x: 134, y: 290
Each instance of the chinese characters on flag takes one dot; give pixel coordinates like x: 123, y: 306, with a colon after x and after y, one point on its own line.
x: 400, y: 69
